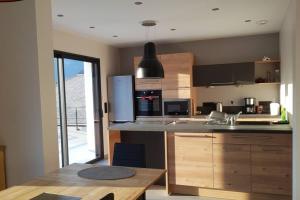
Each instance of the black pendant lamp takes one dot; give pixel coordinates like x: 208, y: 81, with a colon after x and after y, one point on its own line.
x: 149, y: 67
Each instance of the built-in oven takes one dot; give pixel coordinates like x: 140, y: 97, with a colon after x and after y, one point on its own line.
x: 148, y: 103
x: 177, y: 107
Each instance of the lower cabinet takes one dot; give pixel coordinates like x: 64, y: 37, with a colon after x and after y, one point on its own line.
x: 232, y: 167
x: 271, y: 169
x: 190, y: 159
x: 258, y: 166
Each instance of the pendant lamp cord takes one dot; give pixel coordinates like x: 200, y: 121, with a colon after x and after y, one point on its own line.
x: 147, y: 33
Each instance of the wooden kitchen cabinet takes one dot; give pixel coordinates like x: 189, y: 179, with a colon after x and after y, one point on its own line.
x: 180, y: 93
x: 232, y: 168
x: 190, y: 159
x: 146, y: 84
x: 177, y: 82
x: 271, y: 169
x: 253, y: 138
x: 178, y: 70
x: 270, y: 160
x: 223, y: 74
x: 2, y: 168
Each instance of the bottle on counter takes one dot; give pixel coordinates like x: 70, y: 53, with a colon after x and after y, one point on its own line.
x: 284, y: 114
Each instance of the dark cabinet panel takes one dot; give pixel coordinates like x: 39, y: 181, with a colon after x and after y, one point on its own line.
x: 244, y: 73
x: 223, y: 74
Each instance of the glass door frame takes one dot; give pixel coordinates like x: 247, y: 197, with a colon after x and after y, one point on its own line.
x: 98, y: 113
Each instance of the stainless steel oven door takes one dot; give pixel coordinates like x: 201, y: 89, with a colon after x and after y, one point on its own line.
x: 148, y: 103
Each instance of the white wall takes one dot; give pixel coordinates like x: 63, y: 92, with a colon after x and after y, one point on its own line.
x: 226, y: 94
x: 296, y: 136
x: 109, y: 61
x: 290, y: 86
x: 287, y: 54
x: 27, y: 122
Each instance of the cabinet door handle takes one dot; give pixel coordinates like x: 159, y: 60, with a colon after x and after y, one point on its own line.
x: 239, y: 137
x: 224, y: 83
x: 195, y: 136
x: 272, y: 150
x: 265, y: 137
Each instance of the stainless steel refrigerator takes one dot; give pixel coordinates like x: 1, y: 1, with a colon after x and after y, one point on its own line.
x: 121, y: 98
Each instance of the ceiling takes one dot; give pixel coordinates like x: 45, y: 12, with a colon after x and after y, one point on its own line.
x: 192, y: 19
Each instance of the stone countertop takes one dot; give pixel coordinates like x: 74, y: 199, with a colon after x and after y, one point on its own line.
x: 243, y: 117
x: 196, y: 126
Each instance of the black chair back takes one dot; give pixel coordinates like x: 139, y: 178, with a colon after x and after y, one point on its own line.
x: 109, y: 196
x: 129, y: 155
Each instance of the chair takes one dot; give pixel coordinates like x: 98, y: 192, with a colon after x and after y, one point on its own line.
x: 109, y: 196
x: 130, y: 155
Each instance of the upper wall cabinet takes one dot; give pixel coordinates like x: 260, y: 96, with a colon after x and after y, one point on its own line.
x: 178, y: 70
x: 178, y: 80
x: 223, y: 74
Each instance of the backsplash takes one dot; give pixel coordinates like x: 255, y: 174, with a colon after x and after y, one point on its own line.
x: 234, y: 95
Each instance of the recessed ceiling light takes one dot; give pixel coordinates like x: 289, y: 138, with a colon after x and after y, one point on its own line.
x: 248, y: 20
x: 173, y: 29
x: 115, y: 36
x: 91, y: 27
x: 138, y: 3
x: 60, y: 15
x: 262, y: 22
x: 215, y: 9
x: 148, y: 23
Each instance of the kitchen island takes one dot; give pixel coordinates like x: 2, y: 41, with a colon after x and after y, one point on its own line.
x: 237, y: 162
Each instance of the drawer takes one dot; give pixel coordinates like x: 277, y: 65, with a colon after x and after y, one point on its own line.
x: 271, y: 156
x: 232, y: 138
x: 272, y: 139
x: 271, y: 185
x: 231, y: 154
x: 253, y: 138
x: 234, y: 183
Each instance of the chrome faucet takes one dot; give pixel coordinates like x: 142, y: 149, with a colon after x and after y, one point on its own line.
x: 233, y: 118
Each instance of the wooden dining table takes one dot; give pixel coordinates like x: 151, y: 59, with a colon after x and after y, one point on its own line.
x: 65, y: 181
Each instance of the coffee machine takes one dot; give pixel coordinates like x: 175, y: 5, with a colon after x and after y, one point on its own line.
x: 250, y: 104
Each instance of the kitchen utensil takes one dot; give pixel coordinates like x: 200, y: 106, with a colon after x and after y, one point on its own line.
x: 219, y: 107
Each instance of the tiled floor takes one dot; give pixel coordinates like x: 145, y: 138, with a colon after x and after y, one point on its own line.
x: 159, y: 193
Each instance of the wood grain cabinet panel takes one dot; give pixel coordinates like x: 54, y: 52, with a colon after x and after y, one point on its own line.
x: 2, y: 168
x: 272, y: 139
x: 271, y: 169
x: 253, y: 138
x: 178, y: 70
x: 232, y: 167
x: 181, y: 93
x: 232, y: 138
x: 147, y: 84
x: 190, y: 159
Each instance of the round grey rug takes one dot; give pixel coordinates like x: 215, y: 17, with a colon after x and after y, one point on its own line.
x: 106, y: 173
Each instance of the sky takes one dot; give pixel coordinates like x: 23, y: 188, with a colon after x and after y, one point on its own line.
x: 71, y: 69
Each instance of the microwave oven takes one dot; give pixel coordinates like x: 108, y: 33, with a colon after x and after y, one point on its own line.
x: 177, y: 107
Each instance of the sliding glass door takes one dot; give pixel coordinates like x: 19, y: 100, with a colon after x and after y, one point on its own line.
x: 78, y: 102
